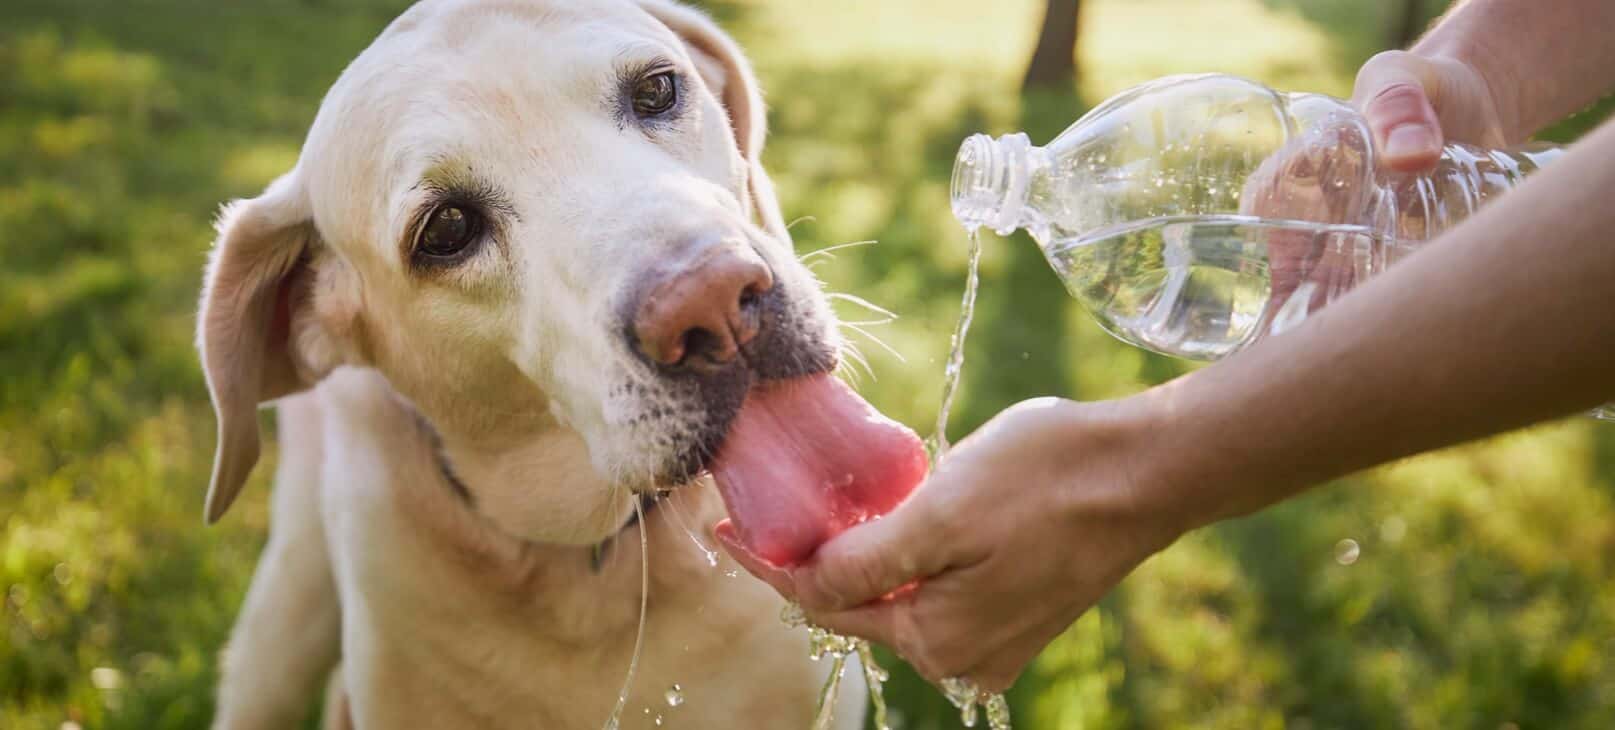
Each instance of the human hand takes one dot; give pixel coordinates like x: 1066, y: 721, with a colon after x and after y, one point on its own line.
x: 1024, y: 526
x: 1415, y: 104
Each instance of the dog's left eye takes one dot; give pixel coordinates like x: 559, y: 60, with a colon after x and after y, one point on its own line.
x: 449, y: 231
x: 655, y: 94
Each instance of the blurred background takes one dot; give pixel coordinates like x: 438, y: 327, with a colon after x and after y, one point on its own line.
x: 1473, y: 588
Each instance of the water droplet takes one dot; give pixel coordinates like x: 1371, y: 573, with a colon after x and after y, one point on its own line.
x: 1338, y: 184
x: 674, y: 696
x: 730, y: 574
x: 658, y: 721
x: 712, y: 557
x: 1347, y: 551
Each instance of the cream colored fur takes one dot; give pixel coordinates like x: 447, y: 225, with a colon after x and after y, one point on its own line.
x: 416, y: 606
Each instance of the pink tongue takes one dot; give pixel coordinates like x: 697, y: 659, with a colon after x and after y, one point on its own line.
x: 806, y: 459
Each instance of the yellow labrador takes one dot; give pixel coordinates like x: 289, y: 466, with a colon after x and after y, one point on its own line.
x: 527, y: 270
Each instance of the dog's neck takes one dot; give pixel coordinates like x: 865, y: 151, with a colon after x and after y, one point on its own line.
x: 534, y: 482
x: 461, y: 491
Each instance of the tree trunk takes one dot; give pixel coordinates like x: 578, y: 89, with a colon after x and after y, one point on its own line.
x: 1055, y: 60
x: 1408, y: 27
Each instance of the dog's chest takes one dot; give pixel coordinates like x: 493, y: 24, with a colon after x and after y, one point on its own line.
x: 458, y: 636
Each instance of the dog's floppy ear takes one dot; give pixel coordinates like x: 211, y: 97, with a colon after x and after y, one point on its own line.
x: 257, y: 280
x: 728, y: 74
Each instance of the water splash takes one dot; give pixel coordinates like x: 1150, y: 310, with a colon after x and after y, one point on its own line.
x: 971, y: 701
x: 825, y: 643
x: 613, y: 722
x: 876, y: 678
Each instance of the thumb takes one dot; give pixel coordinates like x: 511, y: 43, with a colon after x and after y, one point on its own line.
x: 1393, y: 94
x: 875, y: 558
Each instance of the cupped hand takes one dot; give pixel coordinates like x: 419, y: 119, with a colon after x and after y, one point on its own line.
x: 1023, y: 527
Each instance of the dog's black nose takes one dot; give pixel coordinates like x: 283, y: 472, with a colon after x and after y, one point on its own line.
x: 697, y: 317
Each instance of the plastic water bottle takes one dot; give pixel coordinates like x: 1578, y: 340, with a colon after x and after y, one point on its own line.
x: 1194, y: 215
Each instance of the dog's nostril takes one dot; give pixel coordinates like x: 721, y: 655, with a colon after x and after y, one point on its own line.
x: 702, y: 344
x: 748, y: 296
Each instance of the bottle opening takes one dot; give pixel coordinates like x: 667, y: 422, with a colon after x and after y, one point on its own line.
x: 989, y: 181
x: 974, y: 192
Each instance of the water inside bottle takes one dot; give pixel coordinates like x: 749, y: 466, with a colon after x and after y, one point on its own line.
x: 1202, y: 287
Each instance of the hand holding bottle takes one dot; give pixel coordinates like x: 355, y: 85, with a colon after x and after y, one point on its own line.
x: 1417, y: 104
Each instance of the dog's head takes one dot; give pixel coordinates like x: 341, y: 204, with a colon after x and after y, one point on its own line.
x: 524, y: 213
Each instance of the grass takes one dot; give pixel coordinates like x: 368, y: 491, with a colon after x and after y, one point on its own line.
x: 1483, y: 594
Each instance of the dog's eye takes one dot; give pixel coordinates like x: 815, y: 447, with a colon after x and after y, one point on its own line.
x: 655, y: 94
x: 449, y: 230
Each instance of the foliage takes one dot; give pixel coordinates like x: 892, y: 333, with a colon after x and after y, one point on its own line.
x: 1483, y: 595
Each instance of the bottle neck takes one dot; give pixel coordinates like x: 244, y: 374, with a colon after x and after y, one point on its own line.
x: 990, y: 182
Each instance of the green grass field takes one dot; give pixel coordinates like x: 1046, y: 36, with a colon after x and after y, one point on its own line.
x: 1483, y: 595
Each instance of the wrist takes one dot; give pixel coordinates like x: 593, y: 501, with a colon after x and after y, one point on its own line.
x: 1137, y: 487
x: 1206, y: 458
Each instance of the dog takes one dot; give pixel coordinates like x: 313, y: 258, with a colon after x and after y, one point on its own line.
x: 523, y: 274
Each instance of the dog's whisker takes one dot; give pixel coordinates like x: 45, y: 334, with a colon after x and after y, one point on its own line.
x: 877, y: 341
x: 828, y: 251
x: 848, y: 372
x: 792, y: 224
x: 852, y: 359
x: 862, y: 302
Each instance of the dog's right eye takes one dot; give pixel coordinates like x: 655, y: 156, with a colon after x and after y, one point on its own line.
x: 449, y: 232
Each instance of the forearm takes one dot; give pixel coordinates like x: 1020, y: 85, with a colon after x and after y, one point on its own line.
x: 1507, y: 320
x: 1542, y: 61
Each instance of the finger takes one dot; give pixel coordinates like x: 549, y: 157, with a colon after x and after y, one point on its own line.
x: 1394, y: 98
x: 876, y: 622
x: 892, y: 623
x: 769, y: 573
x: 999, y: 672
x: 873, y: 559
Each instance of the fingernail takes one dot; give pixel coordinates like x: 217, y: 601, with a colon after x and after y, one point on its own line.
x: 1409, y: 140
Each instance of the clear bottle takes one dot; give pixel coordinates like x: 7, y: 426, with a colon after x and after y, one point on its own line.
x: 1194, y: 215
